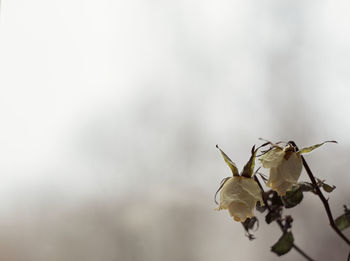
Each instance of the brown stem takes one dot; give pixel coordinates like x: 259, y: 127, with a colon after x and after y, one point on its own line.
x: 321, y: 196
x: 301, y: 252
x: 279, y: 222
x: 324, y: 201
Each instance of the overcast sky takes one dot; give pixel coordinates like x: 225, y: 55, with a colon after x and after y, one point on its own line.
x: 109, y: 98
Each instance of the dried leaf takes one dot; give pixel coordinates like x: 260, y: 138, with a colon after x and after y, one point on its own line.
x: 260, y: 208
x: 328, y: 188
x: 306, y: 186
x: 249, y: 223
x: 292, y: 197
x: 288, y: 220
x: 284, y: 244
x: 272, y: 216
x: 275, y: 200
x: 343, y: 221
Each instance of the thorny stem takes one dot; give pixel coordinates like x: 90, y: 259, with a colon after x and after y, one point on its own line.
x: 279, y: 222
x: 325, y: 202
x: 322, y: 197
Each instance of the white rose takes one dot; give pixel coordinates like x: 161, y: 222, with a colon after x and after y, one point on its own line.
x: 285, y: 166
x: 239, y: 195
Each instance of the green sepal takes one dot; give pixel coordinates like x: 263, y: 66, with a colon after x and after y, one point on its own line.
x: 311, y: 148
x: 248, y: 169
x: 284, y: 244
x: 229, y: 162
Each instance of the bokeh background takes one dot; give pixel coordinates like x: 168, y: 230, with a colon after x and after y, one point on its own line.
x: 110, y: 112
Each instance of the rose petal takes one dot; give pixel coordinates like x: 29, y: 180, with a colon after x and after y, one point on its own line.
x: 240, y: 211
x: 286, y: 174
x: 239, y: 195
x: 272, y: 158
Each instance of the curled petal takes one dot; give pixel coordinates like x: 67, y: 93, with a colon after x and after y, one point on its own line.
x: 286, y: 173
x: 272, y: 158
x: 240, y: 211
x: 239, y: 195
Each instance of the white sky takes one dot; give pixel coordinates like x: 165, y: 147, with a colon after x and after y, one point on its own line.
x: 63, y: 63
x: 127, y: 99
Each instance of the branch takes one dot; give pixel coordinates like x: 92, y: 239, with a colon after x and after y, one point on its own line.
x: 325, y: 202
x: 301, y: 252
x: 321, y: 196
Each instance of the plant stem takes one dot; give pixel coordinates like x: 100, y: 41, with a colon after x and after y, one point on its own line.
x: 301, y: 252
x: 324, y: 201
x: 321, y: 196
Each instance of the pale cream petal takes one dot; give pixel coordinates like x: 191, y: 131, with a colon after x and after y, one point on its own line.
x: 291, y: 169
x: 286, y: 174
x: 239, y: 210
x: 230, y: 192
x: 272, y: 158
x: 239, y: 195
x: 284, y: 187
x: 252, y: 187
x: 274, y: 177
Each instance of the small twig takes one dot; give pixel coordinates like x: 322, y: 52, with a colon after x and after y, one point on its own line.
x: 322, y: 197
x: 279, y: 222
x: 325, y: 203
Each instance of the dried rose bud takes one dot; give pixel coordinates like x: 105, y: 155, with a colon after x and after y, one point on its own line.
x: 240, y: 193
x: 285, y: 166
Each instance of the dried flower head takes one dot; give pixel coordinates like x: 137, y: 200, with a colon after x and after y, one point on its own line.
x: 240, y: 193
x: 285, y: 164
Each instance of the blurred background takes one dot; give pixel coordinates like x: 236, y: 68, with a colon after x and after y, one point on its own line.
x: 110, y: 112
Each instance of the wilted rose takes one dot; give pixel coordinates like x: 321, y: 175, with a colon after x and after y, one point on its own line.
x: 285, y: 166
x: 240, y: 193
